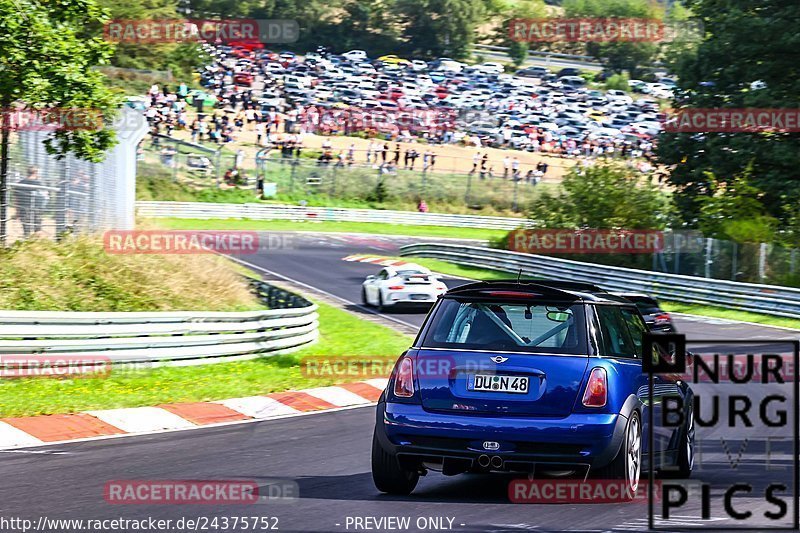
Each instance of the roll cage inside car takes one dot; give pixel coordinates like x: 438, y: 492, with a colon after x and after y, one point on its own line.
x: 468, y: 314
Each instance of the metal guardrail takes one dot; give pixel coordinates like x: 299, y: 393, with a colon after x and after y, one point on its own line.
x: 767, y: 299
x: 535, y: 53
x: 159, y: 338
x: 331, y: 214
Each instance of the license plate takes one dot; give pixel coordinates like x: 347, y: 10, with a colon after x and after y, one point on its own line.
x: 497, y: 383
x: 420, y: 297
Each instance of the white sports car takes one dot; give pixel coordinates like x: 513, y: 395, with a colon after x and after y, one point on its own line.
x: 407, y: 284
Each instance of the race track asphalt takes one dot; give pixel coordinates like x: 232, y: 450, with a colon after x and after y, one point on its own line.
x: 327, y: 454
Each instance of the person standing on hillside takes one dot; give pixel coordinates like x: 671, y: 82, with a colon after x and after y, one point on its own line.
x: 476, y: 159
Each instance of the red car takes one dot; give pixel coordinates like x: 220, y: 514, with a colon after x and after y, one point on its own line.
x: 394, y: 93
x: 243, y: 78
x: 240, y: 52
x: 248, y: 46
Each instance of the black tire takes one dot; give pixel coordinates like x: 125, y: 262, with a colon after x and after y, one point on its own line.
x: 381, y: 309
x: 627, y: 465
x: 685, y: 458
x: 388, y: 475
x: 364, y: 296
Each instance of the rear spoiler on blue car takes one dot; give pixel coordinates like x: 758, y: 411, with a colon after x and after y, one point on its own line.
x: 560, y: 290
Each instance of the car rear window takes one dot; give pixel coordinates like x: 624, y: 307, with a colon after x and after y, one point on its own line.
x: 516, y: 326
x: 647, y: 309
x: 412, y: 273
x: 646, y: 305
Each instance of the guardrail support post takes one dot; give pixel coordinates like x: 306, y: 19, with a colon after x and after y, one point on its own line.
x: 469, y: 189
x: 175, y: 161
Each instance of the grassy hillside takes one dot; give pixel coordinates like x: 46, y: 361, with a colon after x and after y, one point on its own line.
x: 78, y: 275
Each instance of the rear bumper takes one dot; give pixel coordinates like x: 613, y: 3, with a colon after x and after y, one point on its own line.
x: 405, y: 298
x: 578, y: 440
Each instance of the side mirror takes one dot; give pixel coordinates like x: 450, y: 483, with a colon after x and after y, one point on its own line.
x: 371, y: 277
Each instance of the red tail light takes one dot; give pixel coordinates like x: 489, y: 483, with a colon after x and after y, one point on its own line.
x: 396, y: 288
x: 404, y: 378
x: 662, y: 318
x: 596, y: 393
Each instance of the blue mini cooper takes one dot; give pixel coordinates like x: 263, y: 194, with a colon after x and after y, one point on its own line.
x: 543, y: 378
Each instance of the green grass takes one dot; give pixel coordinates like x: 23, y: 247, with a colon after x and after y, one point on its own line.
x: 342, y: 334
x: 442, y: 191
x: 462, y: 271
x: 374, y: 228
x: 730, y: 314
x: 156, y: 182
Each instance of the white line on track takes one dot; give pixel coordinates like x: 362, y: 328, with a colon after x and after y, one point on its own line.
x: 35, y: 452
x: 326, y: 293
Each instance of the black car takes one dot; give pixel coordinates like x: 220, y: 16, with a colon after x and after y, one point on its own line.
x: 569, y: 71
x: 656, y: 318
x: 533, y: 72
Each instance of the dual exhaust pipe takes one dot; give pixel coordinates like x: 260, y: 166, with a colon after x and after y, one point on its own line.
x: 484, y: 461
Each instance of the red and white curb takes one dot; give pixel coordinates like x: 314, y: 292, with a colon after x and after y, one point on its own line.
x: 374, y: 259
x: 38, y: 430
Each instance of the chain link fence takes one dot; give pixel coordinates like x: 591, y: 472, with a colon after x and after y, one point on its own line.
x: 48, y: 195
x: 727, y: 260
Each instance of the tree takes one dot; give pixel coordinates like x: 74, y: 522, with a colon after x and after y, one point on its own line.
x: 518, y: 52
x: 744, y: 42
x: 622, y: 55
x: 47, y: 52
x: 440, y: 27
x: 603, y: 196
x: 735, y: 212
x: 509, y: 12
x: 181, y: 59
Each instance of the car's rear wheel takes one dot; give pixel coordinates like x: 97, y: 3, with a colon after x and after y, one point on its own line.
x: 627, y: 465
x: 685, y: 458
x: 388, y: 475
x: 381, y: 308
